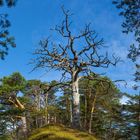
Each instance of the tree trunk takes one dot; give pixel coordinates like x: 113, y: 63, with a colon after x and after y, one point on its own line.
x: 48, y: 118
x: 76, y: 104
x: 91, y: 114
x: 71, y: 112
x: 36, y: 121
x: 55, y: 119
x: 23, y: 118
x: 46, y: 109
x: 24, y: 127
x: 68, y: 110
x: 20, y: 106
x: 85, y: 118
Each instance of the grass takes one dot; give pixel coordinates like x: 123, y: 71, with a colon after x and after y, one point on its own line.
x: 57, y: 132
x: 5, y: 137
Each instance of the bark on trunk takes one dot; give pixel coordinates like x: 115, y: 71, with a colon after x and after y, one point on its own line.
x: 68, y: 109
x: 91, y: 114
x: 24, y: 127
x: 36, y: 121
x: 48, y: 118
x: 71, y: 117
x: 19, y: 105
x: 46, y: 109
x: 76, y: 105
x: 23, y: 118
x: 85, y: 119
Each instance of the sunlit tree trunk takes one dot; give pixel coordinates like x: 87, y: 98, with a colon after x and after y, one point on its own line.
x: 91, y: 114
x: 20, y: 106
x: 76, y: 101
x: 48, y: 118
x: 76, y: 105
x: 46, y: 108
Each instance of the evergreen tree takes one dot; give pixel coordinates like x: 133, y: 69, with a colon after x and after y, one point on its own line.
x: 5, y: 39
x: 13, y: 107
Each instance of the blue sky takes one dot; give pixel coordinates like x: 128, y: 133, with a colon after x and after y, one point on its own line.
x: 32, y: 19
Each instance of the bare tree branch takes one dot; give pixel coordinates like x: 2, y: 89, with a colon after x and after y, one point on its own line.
x: 76, y: 58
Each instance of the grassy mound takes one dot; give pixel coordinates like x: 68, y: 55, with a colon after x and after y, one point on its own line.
x: 53, y: 132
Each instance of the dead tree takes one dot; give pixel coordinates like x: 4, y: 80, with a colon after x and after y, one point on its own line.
x: 74, y: 59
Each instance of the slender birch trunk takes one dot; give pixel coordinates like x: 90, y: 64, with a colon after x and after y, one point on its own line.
x: 68, y: 109
x: 71, y: 117
x: 46, y: 109
x: 85, y: 119
x: 91, y: 114
x: 48, y: 118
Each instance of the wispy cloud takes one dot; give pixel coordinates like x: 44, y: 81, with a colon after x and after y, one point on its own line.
x: 117, y: 48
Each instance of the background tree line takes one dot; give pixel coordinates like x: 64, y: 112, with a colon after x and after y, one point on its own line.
x: 29, y: 104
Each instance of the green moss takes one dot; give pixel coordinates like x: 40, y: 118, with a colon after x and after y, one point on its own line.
x: 53, y: 132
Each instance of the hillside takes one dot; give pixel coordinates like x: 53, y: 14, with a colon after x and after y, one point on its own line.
x: 52, y: 132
